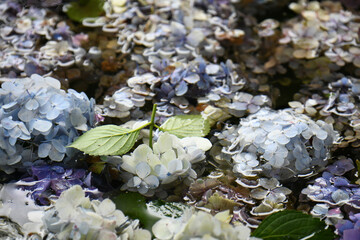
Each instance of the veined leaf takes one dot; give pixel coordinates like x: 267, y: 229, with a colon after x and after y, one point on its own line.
x: 292, y: 225
x: 186, y: 126
x: 106, y: 140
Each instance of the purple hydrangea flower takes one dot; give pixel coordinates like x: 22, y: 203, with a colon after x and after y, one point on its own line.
x: 341, y: 166
x: 53, y: 180
x: 349, y: 229
x: 334, y: 190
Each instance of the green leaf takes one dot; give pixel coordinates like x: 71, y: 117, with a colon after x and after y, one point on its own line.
x: 324, y: 235
x: 292, y: 225
x: 79, y: 10
x: 186, y: 126
x: 107, y: 140
x: 134, y: 205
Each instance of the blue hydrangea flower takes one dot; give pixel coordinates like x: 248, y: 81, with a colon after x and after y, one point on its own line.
x: 280, y: 144
x: 37, y: 116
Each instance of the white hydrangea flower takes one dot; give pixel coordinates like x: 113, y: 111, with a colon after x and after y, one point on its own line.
x: 75, y: 216
x: 171, y: 159
x: 200, y: 225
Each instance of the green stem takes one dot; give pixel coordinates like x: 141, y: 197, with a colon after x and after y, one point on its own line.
x: 152, y: 126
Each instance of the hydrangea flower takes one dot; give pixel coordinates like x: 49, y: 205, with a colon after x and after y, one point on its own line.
x: 341, y: 166
x: 122, y: 102
x: 46, y: 181
x: 170, y: 160
x: 272, y: 194
x: 74, y: 216
x: 330, y: 208
x: 334, y: 190
x: 245, y: 102
x: 28, y: 26
x: 174, y: 86
x: 332, y: 215
x: 39, y: 120
x: 337, y: 105
x: 178, y: 63
x: 342, y: 100
x: 279, y: 144
x: 219, y: 192
x: 200, y: 225
x: 349, y: 229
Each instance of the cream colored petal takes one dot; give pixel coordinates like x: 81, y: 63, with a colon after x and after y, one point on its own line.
x: 106, y: 207
x: 201, y: 143
x: 167, y: 157
x: 163, y: 144
x: 224, y: 216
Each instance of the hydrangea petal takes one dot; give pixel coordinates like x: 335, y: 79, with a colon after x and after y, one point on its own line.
x: 42, y: 125
x: 142, y: 169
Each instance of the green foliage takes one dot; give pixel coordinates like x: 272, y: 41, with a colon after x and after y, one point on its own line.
x: 134, y: 205
x: 292, y: 225
x: 107, y: 140
x: 79, y: 10
x: 114, y: 140
x: 186, y: 126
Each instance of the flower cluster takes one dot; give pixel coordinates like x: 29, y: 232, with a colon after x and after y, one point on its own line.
x: 74, y: 216
x: 334, y: 190
x: 177, y: 58
x: 229, y: 60
x: 279, y: 144
x: 24, y: 29
x: 46, y: 181
x: 328, y: 206
x: 348, y: 229
x: 248, y: 200
x: 272, y: 194
x: 239, y: 104
x: 217, y: 193
x: 193, y: 29
x: 200, y: 225
x: 337, y: 105
x: 170, y: 161
x: 313, y: 34
x: 38, y: 120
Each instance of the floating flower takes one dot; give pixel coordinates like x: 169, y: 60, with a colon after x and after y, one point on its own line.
x: 36, y: 109
x: 171, y: 159
x: 46, y: 181
x: 272, y: 194
x: 200, y: 225
x: 73, y: 216
x: 278, y: 144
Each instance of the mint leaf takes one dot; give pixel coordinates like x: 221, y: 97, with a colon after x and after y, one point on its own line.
x: 106, y: 140
x: 186, y: 126
x: 292, y: 225
x: 85, y: 8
